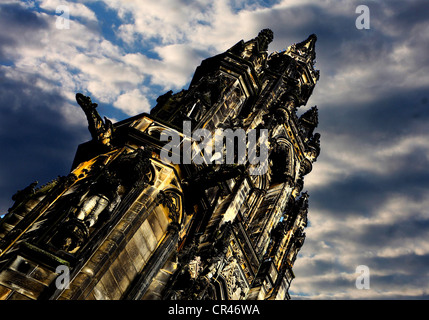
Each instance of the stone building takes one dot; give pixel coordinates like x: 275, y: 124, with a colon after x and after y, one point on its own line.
x: 151, y: 210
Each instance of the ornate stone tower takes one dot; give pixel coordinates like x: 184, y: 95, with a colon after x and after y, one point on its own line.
x: 128, y: 222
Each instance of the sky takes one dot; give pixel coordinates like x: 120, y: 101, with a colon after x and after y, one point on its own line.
x: 369, y: 199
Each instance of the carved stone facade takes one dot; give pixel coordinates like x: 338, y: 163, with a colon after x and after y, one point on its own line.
x: 128, y: 224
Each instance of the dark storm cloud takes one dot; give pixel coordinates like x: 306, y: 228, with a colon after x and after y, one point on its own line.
x: 373, y: 114
x: 400, y: 276
x: 374, y: 126
x: 394, y: 234
x: 301, y: 21
x: 17, y: 25
x: 396, y: 238
x: 405, y: 15
x: 387, y: 116
x: 37, y: 143
x: 16, y: 19
x: 362, y: 193
x: 416, y: 264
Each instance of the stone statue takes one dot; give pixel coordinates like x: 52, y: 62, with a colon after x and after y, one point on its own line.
x: 128, y: 171
x: 104, y: 195
x: 105, y: 191
x: 100, y: 131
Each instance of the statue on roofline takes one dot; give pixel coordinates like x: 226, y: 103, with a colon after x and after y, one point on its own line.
x: 100, y: 130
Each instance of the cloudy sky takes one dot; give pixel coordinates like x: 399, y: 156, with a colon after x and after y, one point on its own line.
x: 369, y: 202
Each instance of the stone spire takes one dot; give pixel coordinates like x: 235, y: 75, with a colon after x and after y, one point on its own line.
x: 306, y: 48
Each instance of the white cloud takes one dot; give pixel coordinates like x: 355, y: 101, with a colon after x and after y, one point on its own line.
x: 73, y: 60
x: 73, y: 9
x: 132, y: 102
x: 169, y: 21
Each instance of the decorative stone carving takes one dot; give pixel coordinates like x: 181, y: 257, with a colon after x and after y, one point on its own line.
x: 71, y: 235
x: 128, y: 171
x: 172, y: 200
x: 308, y: 122
x: 101, y: 131
x: 22, y: 195
x: 194, y: 267
x: 133, y: 169
x: 235, y: 283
